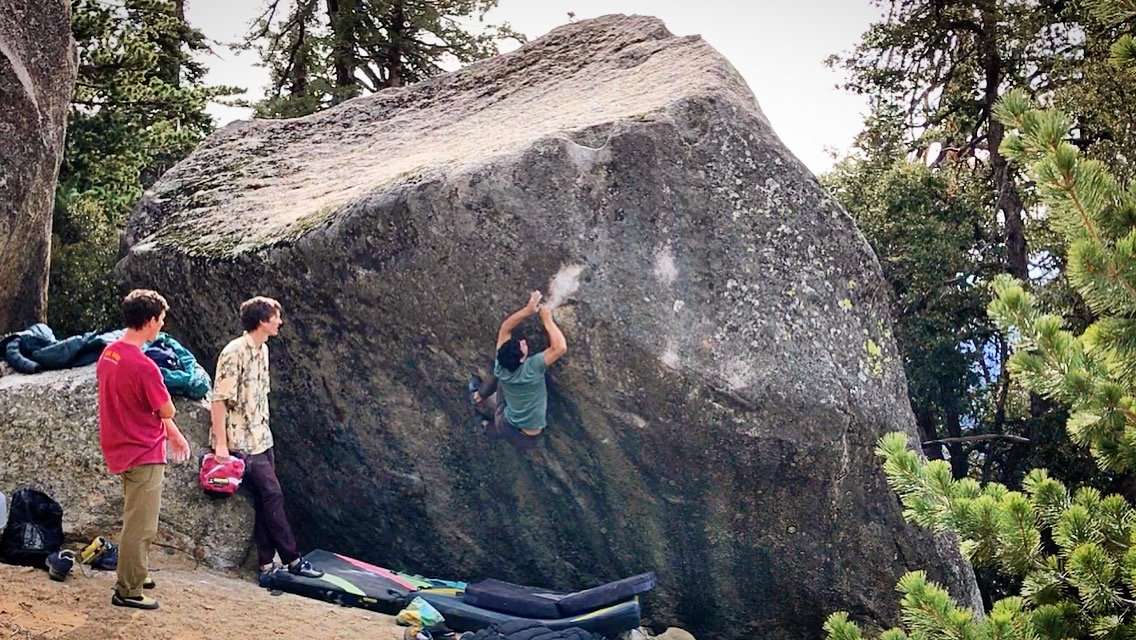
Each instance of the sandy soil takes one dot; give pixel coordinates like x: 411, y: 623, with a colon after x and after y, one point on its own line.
x: 195, y: 603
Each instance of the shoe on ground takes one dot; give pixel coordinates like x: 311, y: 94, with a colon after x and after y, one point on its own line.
x: 304, y: 569
x: 139, y: 602
x: 149, y: 583
x: 59, y: 565
x: 264, y: 577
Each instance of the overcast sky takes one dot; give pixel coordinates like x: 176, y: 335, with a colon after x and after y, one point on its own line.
x: 777, y: 45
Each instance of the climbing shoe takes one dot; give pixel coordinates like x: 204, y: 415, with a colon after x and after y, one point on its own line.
x: 98, y: 546
x: 304, y: 569
x: 59, y: 564
x: 137, y: 602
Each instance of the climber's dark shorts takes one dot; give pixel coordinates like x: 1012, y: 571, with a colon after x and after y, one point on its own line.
x: 499, y: 427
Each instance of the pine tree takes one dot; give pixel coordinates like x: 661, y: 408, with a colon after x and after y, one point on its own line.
x: 929, y: 228
x: 933, y: 71
x: 1093, y: 373
x: 1119, y: 12
x: 138, y: 107
x: 1074, y: 552
x: 321, y: 52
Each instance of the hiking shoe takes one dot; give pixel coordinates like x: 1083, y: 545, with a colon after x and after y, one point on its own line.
x: 149, y: 583
x: 264, y: 577
x: 304, y: 569
x: 59, y: 564
x: 138, y: 602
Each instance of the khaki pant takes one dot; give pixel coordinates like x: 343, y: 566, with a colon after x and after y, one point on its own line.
x: 142, y: 489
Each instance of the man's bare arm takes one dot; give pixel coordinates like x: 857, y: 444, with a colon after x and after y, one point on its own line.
x: 178, y: 445
x: 167, y: 410
x: 557, y: 345
x: 518, y: 316
x: 217, y: 428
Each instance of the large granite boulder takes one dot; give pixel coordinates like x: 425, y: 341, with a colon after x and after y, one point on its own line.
x: 730, y: 361
x: 49, y: 427
x: 37, y: 76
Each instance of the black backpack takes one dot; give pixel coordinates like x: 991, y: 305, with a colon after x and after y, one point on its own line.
x: 34, y: 531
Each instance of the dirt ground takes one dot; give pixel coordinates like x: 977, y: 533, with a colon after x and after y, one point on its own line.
x: 195, y: 604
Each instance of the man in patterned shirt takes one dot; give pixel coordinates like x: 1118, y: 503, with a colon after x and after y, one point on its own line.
x: 240, y: 425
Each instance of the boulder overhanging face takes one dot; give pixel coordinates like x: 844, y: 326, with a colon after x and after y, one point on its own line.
x: 730, y: 360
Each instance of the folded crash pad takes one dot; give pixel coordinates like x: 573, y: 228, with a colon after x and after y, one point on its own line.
x: 532, y: 602
x: 462, y: 616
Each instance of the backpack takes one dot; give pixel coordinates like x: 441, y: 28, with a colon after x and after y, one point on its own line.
x: 34, y: 531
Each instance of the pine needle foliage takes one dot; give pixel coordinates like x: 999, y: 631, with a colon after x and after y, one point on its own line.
x: 1073, y: 551
x: 139, y: 106
x: 1093, y: 373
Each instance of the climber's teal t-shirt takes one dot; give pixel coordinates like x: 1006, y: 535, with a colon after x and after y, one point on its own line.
x: 526, y: 397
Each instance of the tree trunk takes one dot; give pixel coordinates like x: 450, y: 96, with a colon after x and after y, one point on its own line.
x: 925, y: 421
x: 169, y: 67
x: 1007, y: 201
x: 298, y: 82
x: 1010, y: 204
x: 960, y: 461
x: 341, y: 16
x: 394, y: 49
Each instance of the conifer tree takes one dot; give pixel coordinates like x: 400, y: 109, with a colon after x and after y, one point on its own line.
x: 1093, y: 373
x: 321, y: 52
x: 932, y: 72
x: 138, y: 107
x: 1074, y: 552
x: 928, y: 227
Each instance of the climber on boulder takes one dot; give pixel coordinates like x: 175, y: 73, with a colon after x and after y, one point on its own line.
x: 522, y: 402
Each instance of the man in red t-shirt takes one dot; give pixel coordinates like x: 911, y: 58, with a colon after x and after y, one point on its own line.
x: 135, y: 423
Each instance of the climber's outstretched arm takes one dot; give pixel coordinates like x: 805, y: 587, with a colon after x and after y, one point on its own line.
x: 557, y: 345
x: 518, y: 316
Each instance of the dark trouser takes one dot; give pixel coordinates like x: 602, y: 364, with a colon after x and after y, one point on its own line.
x: 492, y: 408
x: 272, y: 533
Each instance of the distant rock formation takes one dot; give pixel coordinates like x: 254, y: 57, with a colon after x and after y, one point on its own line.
x: 37, y: 76
x: 730, y: 364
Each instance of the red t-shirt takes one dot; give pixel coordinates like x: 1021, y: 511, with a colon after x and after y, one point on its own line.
x: 131, y: 391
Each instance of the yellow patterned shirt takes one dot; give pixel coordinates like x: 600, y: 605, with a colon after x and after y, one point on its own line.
x: 242, y: 384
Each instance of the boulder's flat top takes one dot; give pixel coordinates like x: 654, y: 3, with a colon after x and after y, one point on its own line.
x: 196, y: 604
x: 254, y: 182
x: 58, y: 379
